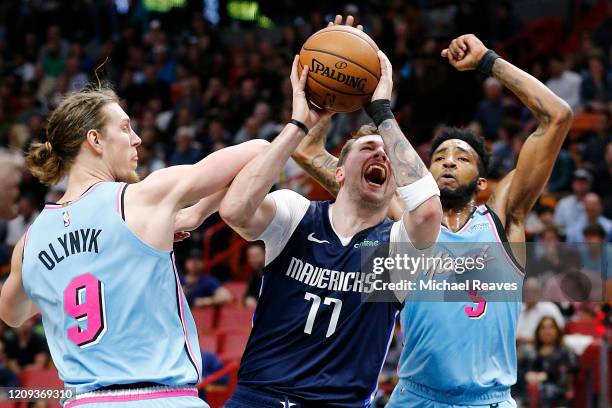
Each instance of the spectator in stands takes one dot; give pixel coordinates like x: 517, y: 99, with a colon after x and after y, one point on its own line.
x: 533, y: 310
x: 26, y: 348
x: 592, y: 215
x: 546, y: 254
x: 539, y: 222
x: 593, y: 149
x: 591, y: 252
x: 549, y: 365
x: 571, y: 207
x: 596, y: 89
x: 255, y: 258
x: 27, y: 214
x: 563, y: 82
x: 187, y: 151
x: 602, y: 34
x: 10, y: 176
x: 7, y: 376
x: 491, y: 110
x: 147, y: 161
x: 603, y: 181
x: 505, y: 24
x: 202, y: 289
x: 563, y: 171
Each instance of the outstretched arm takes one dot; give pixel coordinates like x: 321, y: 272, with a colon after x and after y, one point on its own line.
x: 245, y: 207
x: 423, y: 214
x: 15, y: 306
x: 537, y: 157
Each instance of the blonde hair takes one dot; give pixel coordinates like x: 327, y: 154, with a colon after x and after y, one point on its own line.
x: 364, y: 130
x: 67, y: 128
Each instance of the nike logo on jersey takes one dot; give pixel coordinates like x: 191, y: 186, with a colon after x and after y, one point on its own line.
x: 318, y: 241
x: 288, y: 404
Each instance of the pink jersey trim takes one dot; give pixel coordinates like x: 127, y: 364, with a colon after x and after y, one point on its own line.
x: 132, y: 397
x: 497, y: 237
x: 181, y: 297
x: 56, y: 206
x: 118, y: 201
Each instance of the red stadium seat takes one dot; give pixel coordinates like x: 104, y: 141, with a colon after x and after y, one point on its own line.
x: 232, y: 344
x: 237, y: 289
x: 41, y: 378
x: 587, y: 328
x: 209, y: 342
x: 204, y: 319
x: 235, y: 317
x: 588, y: 379
x: 8, y: 404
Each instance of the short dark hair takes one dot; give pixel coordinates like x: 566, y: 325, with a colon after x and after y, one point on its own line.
x: 476, y: 142
x: 594, y: 229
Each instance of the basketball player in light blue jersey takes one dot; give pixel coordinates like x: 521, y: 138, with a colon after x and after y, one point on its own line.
x: 464, y: 354
x: 99, y: 266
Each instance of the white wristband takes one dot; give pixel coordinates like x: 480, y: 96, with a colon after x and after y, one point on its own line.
x: 418, y: 192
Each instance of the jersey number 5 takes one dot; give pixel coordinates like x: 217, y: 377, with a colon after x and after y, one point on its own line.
x: 316, y: 302
x: 84, y: 300
x: 479, y: 309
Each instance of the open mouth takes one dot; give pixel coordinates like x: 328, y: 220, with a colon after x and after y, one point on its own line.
x: 447, y: 177
x: 376, y: 174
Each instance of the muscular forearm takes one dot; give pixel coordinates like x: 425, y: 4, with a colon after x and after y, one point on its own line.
x: 406, y: 164
x: 192, y: 217
x: 254, y: 181
x: 541, y: 101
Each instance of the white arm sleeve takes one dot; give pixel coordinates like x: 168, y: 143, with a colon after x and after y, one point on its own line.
x: 290, y: 209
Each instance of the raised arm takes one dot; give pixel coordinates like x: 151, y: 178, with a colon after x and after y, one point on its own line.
x: 15, y: 306
x: 178, y: 186
x: 245, y: 206
x: 537, y: 157
x: 423, y: 213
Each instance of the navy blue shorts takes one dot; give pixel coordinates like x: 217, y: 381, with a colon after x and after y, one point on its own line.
x: 248, y: 398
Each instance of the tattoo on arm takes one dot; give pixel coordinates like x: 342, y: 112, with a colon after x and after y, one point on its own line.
x: 525, y: 88
x: 322, y: 168
x: 405, y: 161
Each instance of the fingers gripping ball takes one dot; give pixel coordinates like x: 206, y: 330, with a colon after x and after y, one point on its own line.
x: 343, y: 68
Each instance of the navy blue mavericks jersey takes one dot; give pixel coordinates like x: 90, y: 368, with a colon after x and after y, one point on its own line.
x: 314, y: 340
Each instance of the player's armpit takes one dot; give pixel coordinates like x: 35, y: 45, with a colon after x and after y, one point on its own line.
x: 181, y: 185
x: 15, y: 306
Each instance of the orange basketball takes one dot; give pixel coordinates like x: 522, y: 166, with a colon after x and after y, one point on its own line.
x: 343, y: 68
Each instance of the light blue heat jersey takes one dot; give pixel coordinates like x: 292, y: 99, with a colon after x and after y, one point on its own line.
x: 463, y: 352
x: 112, y: 306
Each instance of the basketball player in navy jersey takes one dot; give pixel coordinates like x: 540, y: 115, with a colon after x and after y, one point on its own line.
x: 314, y: 342
x: 99, y: 266
x: 458, y: 354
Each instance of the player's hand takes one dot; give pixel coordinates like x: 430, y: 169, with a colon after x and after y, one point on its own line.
x: 385, y: 83
x: 350, y: 20
x: 302, y: 110
x: 465, y: 52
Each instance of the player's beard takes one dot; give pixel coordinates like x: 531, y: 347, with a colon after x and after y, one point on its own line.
x: 130, y: 177
x: 460, y: 196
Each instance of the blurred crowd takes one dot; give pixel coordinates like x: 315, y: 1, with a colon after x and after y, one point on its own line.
x: 192, y: 87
